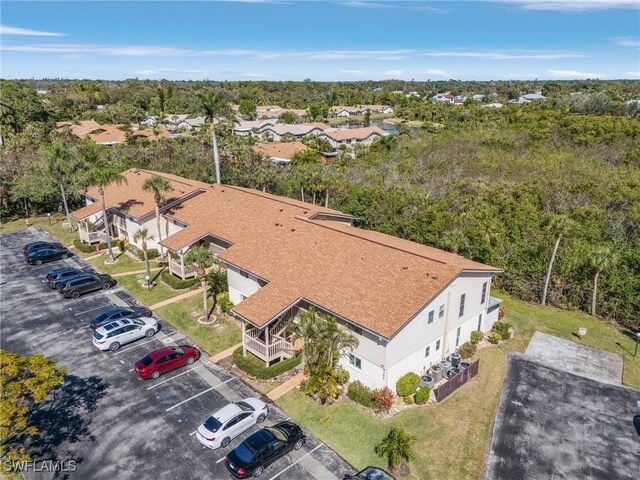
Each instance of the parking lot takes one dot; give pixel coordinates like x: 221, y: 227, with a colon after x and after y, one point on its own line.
x: 103, y: 417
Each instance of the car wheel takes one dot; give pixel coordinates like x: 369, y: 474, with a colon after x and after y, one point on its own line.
x: 298, y: 444
x: 75, y: 294
x: 150, y: 333
x: 114, y: 346
x: 190, y: 361
x: 64, y: 256
x: 155, y: 374
x: 106, y: 285
x: 258, y: 471
x: 38, y: 262
x: 225, y: 441
x: 261, y: 418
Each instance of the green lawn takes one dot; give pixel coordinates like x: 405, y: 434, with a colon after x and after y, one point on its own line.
x: 125, y: 264
x: 158, y: 293
x: 63, y: 234
x: 453, y: 435
x: 213, y: 338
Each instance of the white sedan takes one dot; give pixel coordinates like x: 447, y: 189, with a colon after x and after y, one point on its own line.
x: 230, y: 421
x: 113, y: 334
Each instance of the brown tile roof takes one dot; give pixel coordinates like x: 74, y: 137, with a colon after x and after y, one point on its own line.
x: 371, y: 279
x: 131, y: 199
x: 107, y: 133
x: 280, y: 149
x: 80, y: 129
x: 354, y: 133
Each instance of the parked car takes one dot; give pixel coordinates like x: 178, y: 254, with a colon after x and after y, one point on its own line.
x: 54, y: 277
x: 263, y: 448
x: 33, y: 246
x: 76, y: 286
x: 166, y: 359
x: 230, y: 421
x: 114, y: 334
x: 44, y: 255
x: 370, y: 473
x: 119, y: 312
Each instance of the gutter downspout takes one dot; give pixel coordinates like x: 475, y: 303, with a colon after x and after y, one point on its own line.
x: 446, y: 326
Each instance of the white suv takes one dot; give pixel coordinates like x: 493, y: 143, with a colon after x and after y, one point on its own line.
x: 113, y: 334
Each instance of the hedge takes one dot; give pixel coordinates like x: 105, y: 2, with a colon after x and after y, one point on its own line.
x: 422, y: 395
x: 86, y: 248
x: 467, y: 350
x: 407, y: 384
x: 256, y: 367
x: 225, y: 303
x: 360, y: 393
x: 175, y: 282
x: 476, y: 336
x: 494, y: 337
x: 151, y: 252
x: 502, y: 328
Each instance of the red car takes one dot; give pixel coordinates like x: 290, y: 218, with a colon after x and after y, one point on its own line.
x: 166, y: 359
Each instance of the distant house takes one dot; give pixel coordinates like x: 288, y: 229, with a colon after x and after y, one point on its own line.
x: 274, y: 111
x: 279, y: 153
x: 107, y: 134
x: 478, y: 97
x: 531, y: 97
x: 346, y: 111
x: 42, y: 91
x: 631, y: 103
x: 350, y: 136
x: 247, y: 127
x: 192, y: 123
x: 278, y: 131
x: 492, y: 105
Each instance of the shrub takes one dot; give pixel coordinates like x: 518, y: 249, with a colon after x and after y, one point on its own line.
x: 121, y: 245
x: 360, y: 393
x: 407, y: 384
x: 225, y: 303
x: 383, y: 398
x: 86, y: 248
x: 467, y: 350
x: 151, y: 253
x: 476, y: 336
x: 502, y: 312
x: 177, y: 283
x: 342, y: 376
x: 256, y: 368
x: 136, y: 251
x: 503, y: 329
x: 494, y: 337
x: 422, y: 396
x: 408, y: 399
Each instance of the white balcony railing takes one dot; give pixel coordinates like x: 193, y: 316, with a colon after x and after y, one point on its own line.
x: 176, y: 268
x: 90, y: 237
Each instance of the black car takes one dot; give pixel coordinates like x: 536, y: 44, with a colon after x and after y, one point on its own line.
x: 33, y: 246
x: 370, y: 473
x: 263, y: 448
x: 54, y: 277
x: 119, y: 312
x: 83, y: 284
x: 44, y: 255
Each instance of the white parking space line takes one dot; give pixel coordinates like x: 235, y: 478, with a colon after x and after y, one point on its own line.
x: 92, y: 309
x: 198, y: 394
x: 192, y: 433
x: 175, y: 376
x: 305, y: 455
x: 222, y: 459
x: 133, y: 346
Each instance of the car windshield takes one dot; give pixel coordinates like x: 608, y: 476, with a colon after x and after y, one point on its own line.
x: 371, y: 473
x: 97, y: 336
x: 245, y: 407
x: 212, y: 424
x: 245, y: 452
x: 177, y: 350
x: 137, y: 322
x: 146, y: 360
x: 103, y: 316
x: 277, y: 433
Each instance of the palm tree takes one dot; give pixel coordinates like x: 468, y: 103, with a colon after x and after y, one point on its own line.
x: 202, y: 258
x: 303, y: 162
x: 213, y: 105
x: 158, y: 186
x: 101, y: 175
x: 601, y: 259
x: 560, y: 225
x: 57, y: 161
x: 218, y: 283
x: 142, y: 235
x: 396, y: 447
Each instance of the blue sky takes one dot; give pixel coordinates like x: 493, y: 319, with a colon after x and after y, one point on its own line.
x: 328, y: 40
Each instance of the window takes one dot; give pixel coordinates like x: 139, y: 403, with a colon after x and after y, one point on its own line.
x: 480, y: 322
x: 437, y: 345
x: 431, y: 315
x: 484, y: 293
x: 458, y: 336
x: 441, y: 311
x: 355, y: 361
x: 354, y: 329
x: 462, y: 297
x: 427, y: 351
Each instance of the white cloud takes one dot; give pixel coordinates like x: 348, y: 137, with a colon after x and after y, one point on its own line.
x: 256, y: 75
x: 363, y: 4
x: 7, y: 30
x: 633, y: 74
x: 435, y: 71
x: 574, y: 74
x: 430, y: 9
x: 571, y: 5
x: 524, y: 55
x: 352, y: 72
x: 521, y: 76
x: 394, y: 73
x: 628, y: 41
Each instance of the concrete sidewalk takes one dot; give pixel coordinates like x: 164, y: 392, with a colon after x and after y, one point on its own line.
x: 225, y: 353
x: 169, y: 301
x: 287, y: 386
x: 136, y: 272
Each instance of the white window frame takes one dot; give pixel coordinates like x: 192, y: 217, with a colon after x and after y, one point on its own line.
x: 431, y: 316
x: 354, y: 360
x: 441, y: 311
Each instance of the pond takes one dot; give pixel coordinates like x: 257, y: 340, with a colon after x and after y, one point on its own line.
x: 392, y: 128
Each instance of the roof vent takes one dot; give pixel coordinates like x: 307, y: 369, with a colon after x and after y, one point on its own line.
x: 282, y: 209
x: 277, y: 224
x: 405, y: 267
x: 305, y: 212
x: 434, y: 276
x: 293, y: 229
